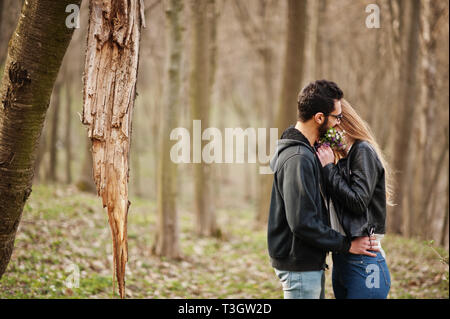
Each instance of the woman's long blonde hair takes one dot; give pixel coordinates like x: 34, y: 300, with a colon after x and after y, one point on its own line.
x: 357, y: 129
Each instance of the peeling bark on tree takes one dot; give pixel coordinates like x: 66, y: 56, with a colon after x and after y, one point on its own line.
x: 111, y: 67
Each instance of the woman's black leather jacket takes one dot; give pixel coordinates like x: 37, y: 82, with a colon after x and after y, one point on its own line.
x: 356, y: 185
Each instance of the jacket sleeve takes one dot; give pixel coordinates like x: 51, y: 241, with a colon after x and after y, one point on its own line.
x: 356, y: 194
x: 302, y: 212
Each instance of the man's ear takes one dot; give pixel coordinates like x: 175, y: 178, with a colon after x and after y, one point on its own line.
x: 319, y: 118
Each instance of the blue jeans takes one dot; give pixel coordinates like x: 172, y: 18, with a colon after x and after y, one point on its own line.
x: 302, y: 284
x: 360, y: 276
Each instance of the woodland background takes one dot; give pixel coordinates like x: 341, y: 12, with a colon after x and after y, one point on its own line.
x: 256, y: 55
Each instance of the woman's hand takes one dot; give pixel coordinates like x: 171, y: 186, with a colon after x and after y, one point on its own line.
x: 325, y: 154
x: 363, y: 246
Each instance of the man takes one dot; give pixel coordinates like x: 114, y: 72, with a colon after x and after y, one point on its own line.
x: 299, y: 233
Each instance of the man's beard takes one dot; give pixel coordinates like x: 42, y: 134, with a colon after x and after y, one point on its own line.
x: 323, y: 128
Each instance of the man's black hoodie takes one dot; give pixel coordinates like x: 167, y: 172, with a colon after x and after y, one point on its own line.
x: 299, y: 233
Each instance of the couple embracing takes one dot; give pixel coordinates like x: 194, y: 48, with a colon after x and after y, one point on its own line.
x: 328, y: 197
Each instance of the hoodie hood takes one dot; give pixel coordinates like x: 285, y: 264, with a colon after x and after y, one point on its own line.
x: 290, y: 137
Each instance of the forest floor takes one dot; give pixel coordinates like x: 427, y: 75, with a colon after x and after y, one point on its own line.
x: 63, y: 230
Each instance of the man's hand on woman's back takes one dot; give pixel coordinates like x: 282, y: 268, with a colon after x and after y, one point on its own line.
x: 362, y: 245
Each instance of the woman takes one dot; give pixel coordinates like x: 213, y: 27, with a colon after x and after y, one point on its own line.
x: 358, y: 182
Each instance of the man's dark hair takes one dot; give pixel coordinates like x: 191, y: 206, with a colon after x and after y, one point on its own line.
x: 318, y: 97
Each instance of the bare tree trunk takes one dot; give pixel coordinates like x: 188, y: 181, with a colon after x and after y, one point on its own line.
x: 427, y: 134
x: 155, y: 133
x: 264, y: 183
x: 136, y: 168
x: 405, y: 116
x: 199, y: 100
x: 167, y: 241
x: 318, y: 58
x: 213, y: 18
x: 313, y: 36
x: 31, y: 67
x: 426, y: 195
x: 55, y: 107
x: 293, y: 63
x: 68, y: 137
x: 85, y: 182
x: 292, y: 78
x: 112, y: 59
x: 377, y: 113
x: 212, y: 21
x: 41, y: 148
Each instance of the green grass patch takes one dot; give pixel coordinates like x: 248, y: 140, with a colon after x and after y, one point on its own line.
x: 62, y: 228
